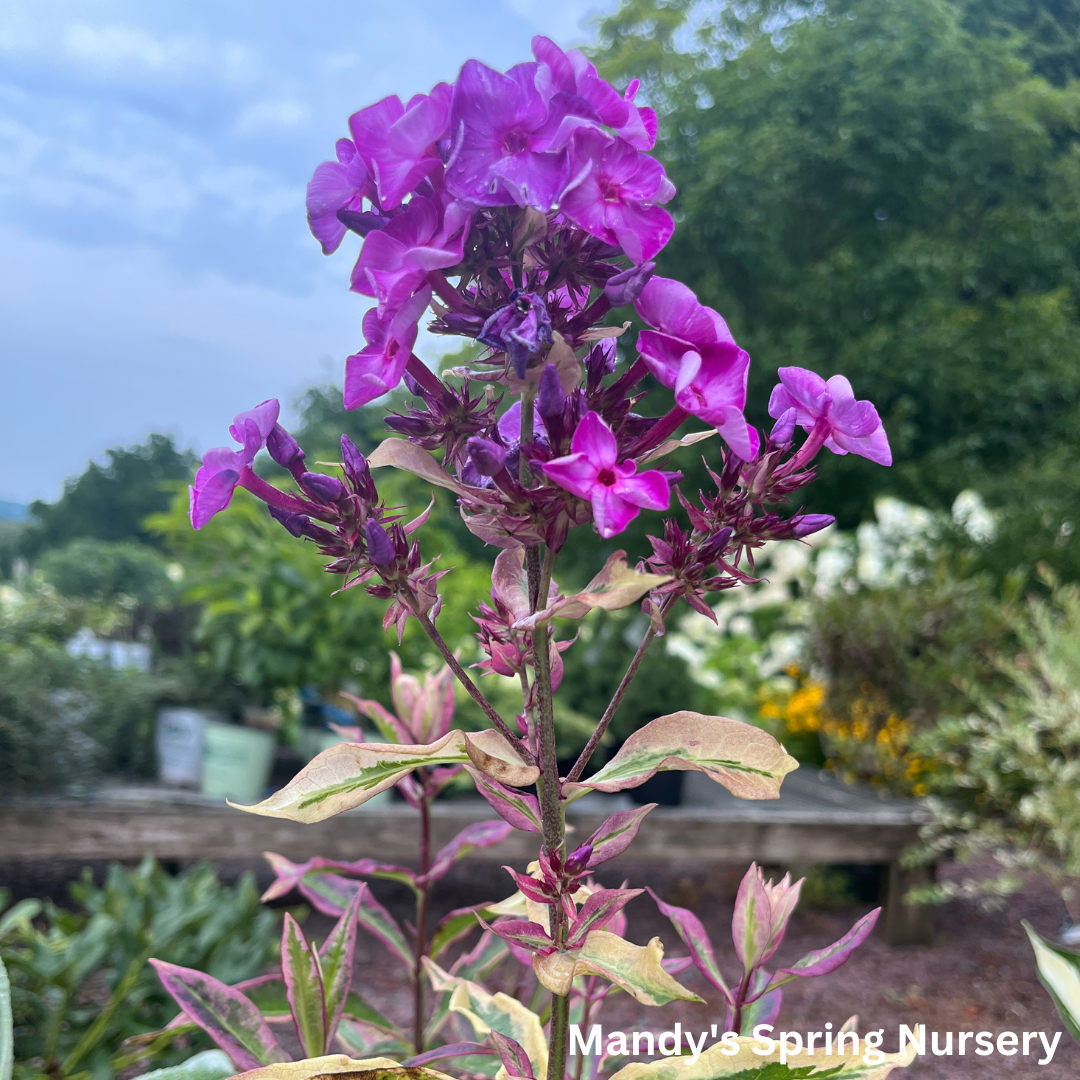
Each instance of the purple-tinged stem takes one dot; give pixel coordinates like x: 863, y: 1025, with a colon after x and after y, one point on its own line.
x: 445, y: 291
x: 488, y: 709
x: 422, y: 902
x: 620, y: 691
x: 667, y: 425
x: 630, y: 378
x: 272, y: 495
x: 424, y: 375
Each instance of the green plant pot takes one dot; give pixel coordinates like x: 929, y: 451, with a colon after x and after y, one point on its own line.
x: 236, y: 762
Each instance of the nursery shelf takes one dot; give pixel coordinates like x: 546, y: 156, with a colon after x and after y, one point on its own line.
x: 815, y: 820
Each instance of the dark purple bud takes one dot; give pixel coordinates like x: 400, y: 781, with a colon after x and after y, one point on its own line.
x: 457, y: 322
x: 284, y: 449
x: 356, y: 469
x: 326, y: 489
x: 380, y: 550
x: 521, y: 329
x: 805, y: 524
x: 601, y: 360
x: 626, y: 287
x: 293, y: 522
x: 488, y: 457
x: 783, y: 429
x: 550, y: 399
x: 578, y: 860
x: 362, y: 222
x: 412, y: 385
x: 714, y: 546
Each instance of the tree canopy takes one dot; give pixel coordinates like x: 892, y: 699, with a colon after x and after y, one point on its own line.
x: 890, y: 191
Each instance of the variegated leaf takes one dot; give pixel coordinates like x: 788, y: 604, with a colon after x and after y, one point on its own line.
x: 303, y: 985
x: 637, y: 969
x: 224, y: 1013
x: 749, y: 762
x: 375, y: 1068
x: 348, y: 774
x: 480, y: 834
x: 600, y: 908
x: 408, y: 457
x: 336, y: 958
x: 696, y: 938
x: 518, y: 808
x: 714, y: 1064
x: 454, y: 926
x: 616, y: 834
x: 492, y: 755
x: 827, y: 960
x: 494, y: 1012
x: 1059, y: 972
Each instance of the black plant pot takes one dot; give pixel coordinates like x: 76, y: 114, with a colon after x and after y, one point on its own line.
x: 664, y: 788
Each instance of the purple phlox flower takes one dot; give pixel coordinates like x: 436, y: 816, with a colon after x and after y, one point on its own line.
x: 591, y: 471
x: 692, y: 351
x: 829, y: 411
x: 500, y: 129
x: 509, y: 425
x: 614, y: 192
x: 216, y: 480
x: 487, y: 457
x: 389, y: 337
x: 571, y: 73
x: 336, y: 185
x: 398, y: 142
x: 395, y: 261
x: 380, y: 549
x: 521, y: 329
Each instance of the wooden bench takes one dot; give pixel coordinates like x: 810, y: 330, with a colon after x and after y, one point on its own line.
x: 815, y: 820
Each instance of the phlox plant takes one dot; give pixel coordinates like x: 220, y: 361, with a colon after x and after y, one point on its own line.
x: 519, y: 209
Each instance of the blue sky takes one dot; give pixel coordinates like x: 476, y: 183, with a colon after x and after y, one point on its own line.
x: 156, y: 269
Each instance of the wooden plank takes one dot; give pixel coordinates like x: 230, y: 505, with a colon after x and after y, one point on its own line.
x: 169, y: 831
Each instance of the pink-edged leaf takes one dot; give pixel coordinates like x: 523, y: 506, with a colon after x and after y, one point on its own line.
x: 616, y: 834
x: 526, y: 935
x: 688, y: 926
x: 751, y: 925
x: 749, y: 762
x: 303, y: 987
x: 336, y: 958
x: 447, y: 1053
x: 390, y: 727
x: 331, y: 896
x: 378, y: 922
x: 512, y: 1054
x: 533, y: 889
x: 454, y: 927
x: 329, y: 893
x: 599, y: 909
x: 480, y: 834
x: 518, y: 808
x: 510, y: 582
x: 824, y: 961
x: 225, y: 1014
x: 761, y: 1010
x: 674, y: 964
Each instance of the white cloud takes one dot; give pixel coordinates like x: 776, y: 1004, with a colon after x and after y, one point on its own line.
x: 269, y: 116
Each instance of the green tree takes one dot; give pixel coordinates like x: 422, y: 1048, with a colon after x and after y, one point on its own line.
x: 110, y: 501
x: 887, y: 191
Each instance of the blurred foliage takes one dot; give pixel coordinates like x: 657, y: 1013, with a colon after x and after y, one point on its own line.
x: 895, y: 660
x: 109, y: 502
x: 63, y: 719
x: 1013, y: 761
x: 105, y: 571
x: 888, y: 191
x: 80, y: 982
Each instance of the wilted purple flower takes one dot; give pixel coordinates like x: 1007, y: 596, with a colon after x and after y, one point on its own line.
x: 380, y: 549
x: 336, y: 185
x: 500, y: 129
x: 398, y: 142
x: 216, y: 481
x: 379, y: 366
x: 591, y: 471
x: 614, y: 192
x: 521, y: 329
x: 395, y: 261
x: 692, y: 351
x: 829, y: 411
x: 784, y: 428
